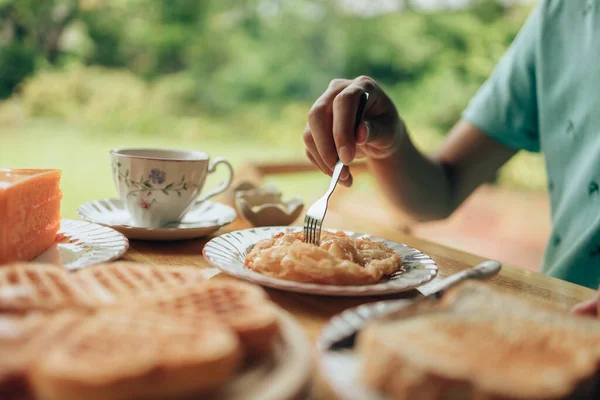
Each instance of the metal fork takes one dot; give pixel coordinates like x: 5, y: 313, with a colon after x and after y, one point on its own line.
x: 313, y: 221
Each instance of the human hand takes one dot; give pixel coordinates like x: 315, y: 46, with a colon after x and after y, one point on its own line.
x: 330, y: 132
x: 587, y: 308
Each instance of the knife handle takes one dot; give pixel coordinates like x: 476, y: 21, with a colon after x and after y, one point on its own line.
x: 481, y: 271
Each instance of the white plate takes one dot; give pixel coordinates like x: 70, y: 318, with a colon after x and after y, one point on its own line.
x: 228, y: 252
x: 201, y: 220
x: 84, y: 244
x: 342, y: 368
x: 284, y: 375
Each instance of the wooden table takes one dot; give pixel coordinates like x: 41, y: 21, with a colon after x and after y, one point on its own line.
x: 312, y: 312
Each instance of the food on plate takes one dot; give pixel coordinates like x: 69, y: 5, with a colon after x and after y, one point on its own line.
x: 136, y: 354
x: 127, y: 330
x: 42, y: 287
x: 29, y: 212
x: 339, y: 260
x: 32, y: 286
x: 480, y: 343
x: 22, y: 338
x: 244, y: 308
x: 117, y: 281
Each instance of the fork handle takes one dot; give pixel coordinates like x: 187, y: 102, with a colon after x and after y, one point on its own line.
x: 335, y: 177
x: 339, y: 166
x: 360, y: 111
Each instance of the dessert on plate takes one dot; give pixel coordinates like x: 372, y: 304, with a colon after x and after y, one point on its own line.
x: 29, y: 212
x: 339, y: 260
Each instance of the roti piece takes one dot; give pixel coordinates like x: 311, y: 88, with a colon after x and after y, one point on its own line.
x: 130, y: 353
x: 479, y: 343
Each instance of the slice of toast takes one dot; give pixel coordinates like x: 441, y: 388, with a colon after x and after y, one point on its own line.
x: 131, y: 353
x: 480, y: 343
x: 243, y: 307
x: 23, y: 338
x: 121, y: 281
x: 29, y: 287
x: 42, y: 287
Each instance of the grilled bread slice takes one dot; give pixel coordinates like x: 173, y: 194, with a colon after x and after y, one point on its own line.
x: 123, y: 354
x: 243, y: 307
x: 480, y: 343
x: 23, y: 339
x: 28, y: 287
x: 123, y: 280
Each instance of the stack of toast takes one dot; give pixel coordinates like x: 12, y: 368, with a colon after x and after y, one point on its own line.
x: 126, y: 331
x: 481, y: 343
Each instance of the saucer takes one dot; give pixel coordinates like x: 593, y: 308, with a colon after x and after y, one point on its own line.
x: 201, y: 220
x: 82, y: 244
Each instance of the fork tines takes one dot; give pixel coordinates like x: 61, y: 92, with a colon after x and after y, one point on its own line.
x: 312, y: 230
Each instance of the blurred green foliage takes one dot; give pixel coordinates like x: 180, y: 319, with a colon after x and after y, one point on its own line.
x: 245, y: 51
x: 243, y: 70
x: 16, y: 63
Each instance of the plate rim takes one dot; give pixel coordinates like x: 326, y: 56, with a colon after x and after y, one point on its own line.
x: 130, y: 229
x: 294, y: 338
x: 342, y: 391
x: 320, y: 289
x: 122, y: 251
x: 357, y: 314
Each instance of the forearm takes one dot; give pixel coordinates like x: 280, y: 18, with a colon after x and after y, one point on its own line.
x: 417, y: 184
x: 433, y: 187
x: 428, y: 188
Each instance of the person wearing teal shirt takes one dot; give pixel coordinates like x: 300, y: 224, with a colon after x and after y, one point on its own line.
x: 543, y: 96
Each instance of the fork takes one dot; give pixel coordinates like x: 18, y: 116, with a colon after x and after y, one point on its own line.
x: 313, y: 221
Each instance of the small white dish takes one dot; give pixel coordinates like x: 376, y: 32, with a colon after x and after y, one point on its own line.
x: 264, y: 207
x: 201, y: 220
x: 228, y: 252
x: 82, y: 244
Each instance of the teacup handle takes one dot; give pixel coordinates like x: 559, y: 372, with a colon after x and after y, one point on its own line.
x: 224, y: 185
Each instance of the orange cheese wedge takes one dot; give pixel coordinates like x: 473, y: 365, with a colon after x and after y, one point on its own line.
x: 29, y: 212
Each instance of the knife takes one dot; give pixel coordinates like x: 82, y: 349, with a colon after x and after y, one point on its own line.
x: 391, y: 309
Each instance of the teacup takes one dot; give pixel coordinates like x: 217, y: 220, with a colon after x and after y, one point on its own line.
x: 159, y: 186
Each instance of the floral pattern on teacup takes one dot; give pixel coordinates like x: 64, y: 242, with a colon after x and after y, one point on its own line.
x: 146, y: 204
x: 157, y: 176
x: 146, y: 187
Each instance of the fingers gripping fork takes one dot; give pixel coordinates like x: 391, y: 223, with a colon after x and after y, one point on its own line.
x: 313, y: 221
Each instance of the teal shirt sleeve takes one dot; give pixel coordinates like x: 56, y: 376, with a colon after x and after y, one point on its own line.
x: 505, y: 107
